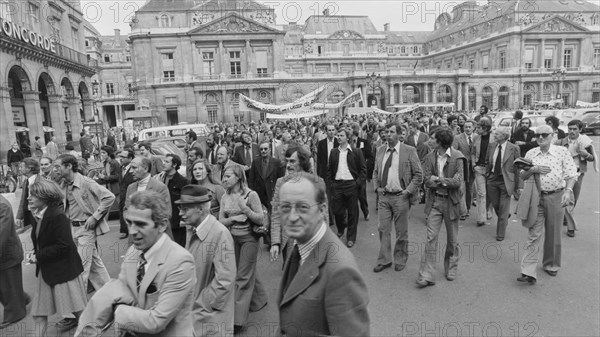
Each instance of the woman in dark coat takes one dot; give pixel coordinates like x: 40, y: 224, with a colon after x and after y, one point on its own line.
x: 60, y: 287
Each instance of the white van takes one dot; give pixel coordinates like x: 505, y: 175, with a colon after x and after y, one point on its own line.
x: 201, y: 130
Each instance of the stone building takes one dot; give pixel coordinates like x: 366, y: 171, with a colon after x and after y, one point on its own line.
x: 44, y: 72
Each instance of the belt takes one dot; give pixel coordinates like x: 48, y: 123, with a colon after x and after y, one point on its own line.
x: 78, y: 223
x: 342, y: 181
x: 552, y: 192
x: 392, y: 193
x: 441, y: 195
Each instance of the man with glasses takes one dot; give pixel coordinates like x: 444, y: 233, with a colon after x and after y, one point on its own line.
x: 322, y: 292
x: 557, y: 176
x: 264, y: 173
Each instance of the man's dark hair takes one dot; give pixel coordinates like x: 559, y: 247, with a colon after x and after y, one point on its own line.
x: 192, y: 135
x: 32, y: 164
x: 303, y: 157
x: 485, y: 123
x: 414, y: 124
x: 175, y: 159
x: 398, y: 126
x: 37, y: 137
x: 145, y: 145
x: 69, y: 147
x: 518, y: 114
x: 451, y: 118
x: 576, y: 122
x: 485, y: 109
x: 109, y: 151
x: 554, y: 121
x: 130, y: 152
x: 444, y: 137
x: 320, y: 189
x: 66, y: 159
x: 245, y: 132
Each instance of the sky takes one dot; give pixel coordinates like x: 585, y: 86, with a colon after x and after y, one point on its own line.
x: 403, y: 15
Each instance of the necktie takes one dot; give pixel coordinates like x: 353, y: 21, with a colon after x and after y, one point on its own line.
x: 248, y: 157
x: 293, y: 268
x: 386, y: 167
x: 212, y: 156
x: 498, y: 164
x: 265, y: 167
x: 141, y: 271
x: 470, y: 141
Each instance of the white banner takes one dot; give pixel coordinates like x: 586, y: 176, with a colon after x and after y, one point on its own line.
x: 297, y: 114
x: 354, y: 97
x: 587, y: 105
x: 301, y: 104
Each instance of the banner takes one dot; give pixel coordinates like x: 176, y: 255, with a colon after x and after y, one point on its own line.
x: 383, y: 112
x: 587, y: 105
x: 301, y: 104
x: 297, y: 114
x: 354, y: 97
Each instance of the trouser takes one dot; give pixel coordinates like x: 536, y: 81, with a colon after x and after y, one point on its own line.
x: 480, y: 183
x: 246, y: 255
x: 548, y: 222
x: 500, y: 201
x: 393, y: 209
x: 12, y: 296
x: 94, y: 270
x: 469, y: 190
x: 345, y: 200
x: 122, y: 224
x: 329, y: 191
x: 570, y: 211
x: 440, y: 212
x: 362, y: 198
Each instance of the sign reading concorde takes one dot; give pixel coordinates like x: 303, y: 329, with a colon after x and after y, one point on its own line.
x: 26, y: 35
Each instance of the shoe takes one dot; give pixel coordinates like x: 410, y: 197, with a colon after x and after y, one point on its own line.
x: 463, y: 217
x: 367, y: 217
x: 489, y: 215
x: 474, y: 204
x: 123, y: 236
x: 527, y: 278
x: 66, y: 324
x: 571, y: 233
x: 451, y: 276
x: 399, y: 267
x: 499, y: 238
x: 551, y: 272
x: 350, y: 244
x: 480, y: 223
x: 339, y: 235
x: 380, y: 267
x: 422, y: 283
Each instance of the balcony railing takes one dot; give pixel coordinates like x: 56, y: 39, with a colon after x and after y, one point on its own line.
x: 74, y: 55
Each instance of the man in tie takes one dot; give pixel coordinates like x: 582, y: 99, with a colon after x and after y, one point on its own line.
x: 322, y: 292
x: 212, y: 247
x: 247, y: 152
x: 211, y: 149
x: 324, y: 150
x: 397, y: 177
x: 264, y: 173
x: 174, y: 182
x: 502, y: 183
x: 464, y: 144
x: 125, y: 179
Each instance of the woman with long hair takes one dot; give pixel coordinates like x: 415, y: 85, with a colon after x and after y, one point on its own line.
x: 240, y: 207
x: 60, y: 287
x: 202, y: 175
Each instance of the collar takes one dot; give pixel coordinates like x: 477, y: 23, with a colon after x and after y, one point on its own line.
x: 397, y: 147
x: 144, y: 181
x: 152, y: 251
x: 331, y: 141
x: 348, y: 147
x: 40, y: 214
x: 553, y: 150
x: 199, y: 229
x: 448, y: 153
x: 127, y: 167
x: 306, y: 248
x: 77, y: 177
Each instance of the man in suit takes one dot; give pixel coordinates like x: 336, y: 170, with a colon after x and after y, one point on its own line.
x: 211, y: 244
x: 264, y: 173
x: 397, y: 177
x: 524, y: 137
x: 365, y: 147
x: 160, y: 273
x: 324, y: 150
x: 502, y: 182
x: 286, y: 139
x: 247, y: 152
x: 223, y: 163
x: 322, y: 291
x: 141, y: 168
x: 125, y: 179
x: 417, y: 139
x: 478, y: 159
x: 347, y: 171
x: 174, y: 182
x: 211, y: 150
x: 464, y: 143
x: 156, y: 163
x: 273, y: 142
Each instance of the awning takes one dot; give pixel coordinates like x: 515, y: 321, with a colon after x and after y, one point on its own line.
x: 48, y: 129
x: 21, y: 129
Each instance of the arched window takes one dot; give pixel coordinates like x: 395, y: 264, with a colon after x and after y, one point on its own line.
x: 445, y: 94
x: 487, y: 95
x: 164, y: 21
x: 503, y: 98
x: 596, y: 19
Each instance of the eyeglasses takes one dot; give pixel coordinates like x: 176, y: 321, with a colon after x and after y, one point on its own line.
x: 543, y: 135
x: 124, y: 157
x: 264, y: 149
x: 301, y: 207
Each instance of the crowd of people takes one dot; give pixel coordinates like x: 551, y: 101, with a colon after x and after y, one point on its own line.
x: 299, y: 187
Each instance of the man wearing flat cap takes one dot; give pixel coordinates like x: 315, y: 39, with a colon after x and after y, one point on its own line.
x: 211, y: 244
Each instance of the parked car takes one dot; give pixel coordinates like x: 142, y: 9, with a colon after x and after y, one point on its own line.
x: 591, y: 123
x: 535, y: 122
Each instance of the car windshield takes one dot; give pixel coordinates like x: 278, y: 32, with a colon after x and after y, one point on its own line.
x: 590, y: 116
x: 164, y: 148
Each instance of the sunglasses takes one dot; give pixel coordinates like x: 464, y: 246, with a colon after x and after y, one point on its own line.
x: 264, y: 149
x: 543, y: 135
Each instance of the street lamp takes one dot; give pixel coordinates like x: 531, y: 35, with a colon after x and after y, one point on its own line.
x: 559, y: 75
x: 373, y: 82
x: 95, y: 91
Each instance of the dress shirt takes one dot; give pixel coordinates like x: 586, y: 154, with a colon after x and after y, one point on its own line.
x: 343, y: 172
x: 417, y: 133
x: 74, y: 212
x: 441, y: 162
x: 202, y: 224
x: 329, y: 148
x: 560, y: 162
x: 306, y: 248
x: 143, y: 183
x: 496, y: 155
x: 393, y: 183
x: 151, y: 252
x: 39, y: 214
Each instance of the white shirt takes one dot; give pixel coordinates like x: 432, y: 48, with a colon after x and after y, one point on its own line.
x: 151, y: 252
x: 142, y: 184
x: 496, y: 155
x: 393, y: 180
x: 417, y: 133
x: 203, y: 223
x: 441, y: 162
x: 559, y: 159
x: 343, y: 172
x: 306, y: 248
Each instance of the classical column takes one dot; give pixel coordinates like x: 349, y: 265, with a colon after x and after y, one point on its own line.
x: 7, y: 123
x: 57, y: 116
x: 400, y: 93
x: 75, y: 117
x: 227, y: 114
x: 459, y: 97
x: 219, y: 60
x: 392, y: 93
x: 561, y: 56
x: 541, y: 93
x: 365, y: 97
x: 88, y: 107
x: 426, y: 93
x: 248, y: 51
x: 33, y: 113
x: 542, y: 52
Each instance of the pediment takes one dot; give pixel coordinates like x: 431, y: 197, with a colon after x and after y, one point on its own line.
x: 233, y: 23
x: 555, y: 24
x: 346, y: 35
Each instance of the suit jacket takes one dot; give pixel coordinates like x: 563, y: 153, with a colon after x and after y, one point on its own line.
x: 239, y: 154
x: 454, y: 173
x: 477, y: 149
x: 94, y: 199
x: 164, y: 300
x: 512, y: 152
x: 23, y: 212
x: 356, y: 164
x: 461, y: 143
x: 264, y: 185
x: 213, y: 250
x: 274, y: 145
x: 365, y: 146
x: 410, y: 173
x: 322, y: 160
x: 327, y: 296
x: 421, y: 146
x: 175, y: 185
x: 11, y: 250
x: 112, y: 172
x: 54, y: 248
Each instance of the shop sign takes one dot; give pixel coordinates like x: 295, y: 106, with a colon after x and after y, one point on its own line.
x: 18, y: 115
x: 26, y: 35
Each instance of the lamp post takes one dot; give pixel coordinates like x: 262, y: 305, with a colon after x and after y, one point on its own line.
x: 373, y: 82
x: 559, y: 75
x: 95, y: 92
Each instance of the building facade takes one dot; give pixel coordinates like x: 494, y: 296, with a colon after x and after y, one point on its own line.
x: 44, y: 72
x: 190, y: 60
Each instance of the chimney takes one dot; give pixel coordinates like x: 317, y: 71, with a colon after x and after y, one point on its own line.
x: 386, y: 27
x: 117, y: 37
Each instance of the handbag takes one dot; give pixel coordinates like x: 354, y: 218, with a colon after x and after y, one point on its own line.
x: 260, y: 229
